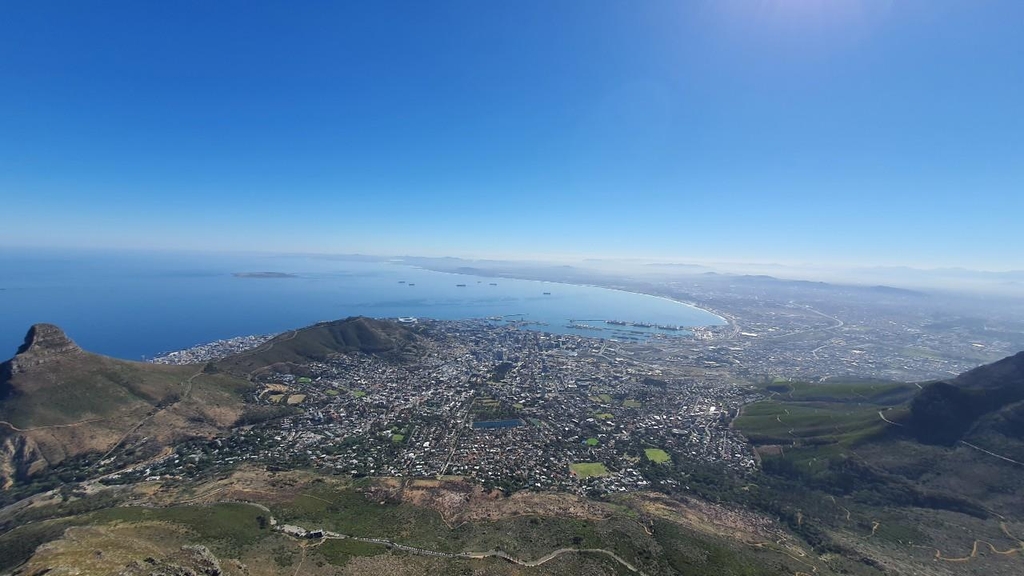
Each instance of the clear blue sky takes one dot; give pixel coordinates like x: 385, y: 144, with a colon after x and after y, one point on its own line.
x: 884, y: 132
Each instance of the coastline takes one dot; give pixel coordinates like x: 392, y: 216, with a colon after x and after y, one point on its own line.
x: 724, y: 321
x: 207, y: 303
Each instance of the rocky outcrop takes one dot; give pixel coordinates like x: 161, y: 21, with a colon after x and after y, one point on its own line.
x: 191, y: 560
x: 20, y: 458
x: 44, y: 343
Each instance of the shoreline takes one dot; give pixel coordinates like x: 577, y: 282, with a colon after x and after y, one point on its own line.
x: 691, y: 305
x: 608, y: 306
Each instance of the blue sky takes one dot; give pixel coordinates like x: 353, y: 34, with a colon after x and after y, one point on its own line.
x: 877, y: 132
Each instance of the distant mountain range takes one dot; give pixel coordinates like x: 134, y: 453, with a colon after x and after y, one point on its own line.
x: 1006, y: 283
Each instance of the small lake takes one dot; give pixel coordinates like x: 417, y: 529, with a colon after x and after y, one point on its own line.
x: 132, y: 305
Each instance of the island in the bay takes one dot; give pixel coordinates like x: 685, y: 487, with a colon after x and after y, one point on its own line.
x: 263, y: 275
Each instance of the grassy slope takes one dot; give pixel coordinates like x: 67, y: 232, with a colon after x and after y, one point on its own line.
x: 838, y: 467
x: 235, y: 531
x: 87, y: 386
x: 85, y: 403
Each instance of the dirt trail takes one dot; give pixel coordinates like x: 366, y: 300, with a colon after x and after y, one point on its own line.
x: 50, y: 427
x: 551, y: 556
x: 974, y: 551
x: 979, y: 449
x: 974, y: 547
x: 327, y: 535
x: 266, y: 348
x: 188, y: 391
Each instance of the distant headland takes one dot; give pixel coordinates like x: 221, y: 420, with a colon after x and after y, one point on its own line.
x: 263, y: 275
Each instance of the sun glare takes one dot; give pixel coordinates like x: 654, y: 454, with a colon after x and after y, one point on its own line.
x: 807, y: 14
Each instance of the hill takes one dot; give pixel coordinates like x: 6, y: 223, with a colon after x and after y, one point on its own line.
x: 59, y: 402
x: 989, y: 397
x: 319, y: 341
x: 904, y: 472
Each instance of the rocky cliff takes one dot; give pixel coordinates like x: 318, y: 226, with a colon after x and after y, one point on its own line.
x: 44, y: 343
x: 20, y: 458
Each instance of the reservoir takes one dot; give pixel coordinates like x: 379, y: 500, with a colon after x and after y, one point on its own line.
x: 133, y: 305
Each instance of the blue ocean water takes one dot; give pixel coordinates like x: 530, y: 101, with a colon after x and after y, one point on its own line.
x: 133, y: 304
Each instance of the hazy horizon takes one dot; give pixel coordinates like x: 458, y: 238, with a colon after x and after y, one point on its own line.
x: 946, y: 279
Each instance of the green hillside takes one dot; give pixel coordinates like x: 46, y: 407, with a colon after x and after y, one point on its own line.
x: 854, y: 466
x: 319, y: 341
x: 945, y: 412
x: 58, y: 402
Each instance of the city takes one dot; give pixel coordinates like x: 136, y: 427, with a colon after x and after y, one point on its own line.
x: 515, y: 408
x: 510, y: 408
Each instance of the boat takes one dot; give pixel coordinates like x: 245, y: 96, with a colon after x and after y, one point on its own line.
x: 460, y: 285
x: 579, y: 326
x: 547, y: 293
x: 494, y: 283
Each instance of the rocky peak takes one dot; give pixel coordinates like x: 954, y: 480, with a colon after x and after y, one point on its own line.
x: 43, y: 343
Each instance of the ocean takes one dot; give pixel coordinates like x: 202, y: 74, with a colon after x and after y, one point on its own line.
x: 135, y: 305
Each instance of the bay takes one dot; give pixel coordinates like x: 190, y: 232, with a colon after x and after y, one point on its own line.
x: 138, y: 304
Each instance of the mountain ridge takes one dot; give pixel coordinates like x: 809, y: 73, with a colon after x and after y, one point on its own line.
x: 944, y: 412
x: 59, y: 402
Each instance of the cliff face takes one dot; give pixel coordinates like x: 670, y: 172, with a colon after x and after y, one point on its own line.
x: 20, y: 458
x: 44, y: 343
